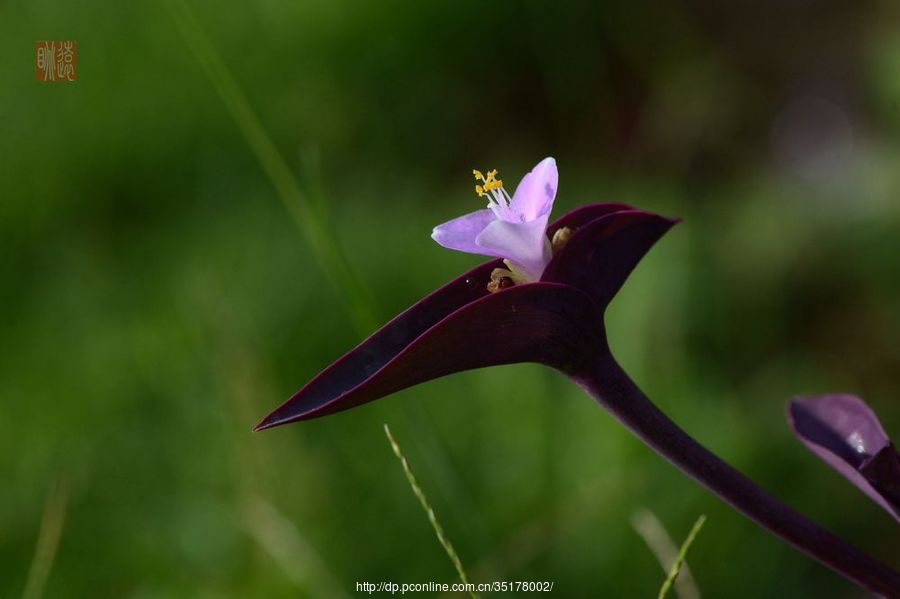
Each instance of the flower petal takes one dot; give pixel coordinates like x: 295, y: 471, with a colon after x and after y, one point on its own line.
x: 525, y: 244
x: 844, y: 432
x: 536, y: 191
x: 544, y: 322
x: 460, y: 233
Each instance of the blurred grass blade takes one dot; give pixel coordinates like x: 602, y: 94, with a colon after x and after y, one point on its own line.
x: 48, y: 540
x: 309, y: 210
x: 648, y: 526
x: 682, y: 555
x: 355, y: 295
x: 291, y: 551
x: 426, y: 505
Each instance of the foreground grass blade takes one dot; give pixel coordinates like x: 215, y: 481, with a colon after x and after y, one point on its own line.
x: 426, y: 505
x: 649, y: 528
x: 682, y: 555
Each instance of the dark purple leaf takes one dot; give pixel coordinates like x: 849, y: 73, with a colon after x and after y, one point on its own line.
x: 547, y: 323
x: 579, y: 217
x: 603, y: 252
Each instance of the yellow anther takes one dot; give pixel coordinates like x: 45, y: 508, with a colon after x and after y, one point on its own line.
x: 490, y: 182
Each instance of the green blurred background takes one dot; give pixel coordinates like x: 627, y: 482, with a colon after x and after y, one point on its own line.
x: 160, y: 294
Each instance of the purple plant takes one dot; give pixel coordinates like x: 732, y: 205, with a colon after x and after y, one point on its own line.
x: 544, y: 301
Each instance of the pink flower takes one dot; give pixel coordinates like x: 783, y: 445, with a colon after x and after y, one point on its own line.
x: 514, y: 229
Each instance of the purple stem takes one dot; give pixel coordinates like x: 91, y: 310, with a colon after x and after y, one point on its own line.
x: 605, y: 381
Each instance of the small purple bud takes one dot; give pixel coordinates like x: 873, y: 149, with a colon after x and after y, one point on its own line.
x: 844, y: 432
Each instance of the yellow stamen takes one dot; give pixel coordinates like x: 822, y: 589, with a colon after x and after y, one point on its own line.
x: 490, y: 181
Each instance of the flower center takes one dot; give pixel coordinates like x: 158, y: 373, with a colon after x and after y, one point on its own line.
x: 492, y: 187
